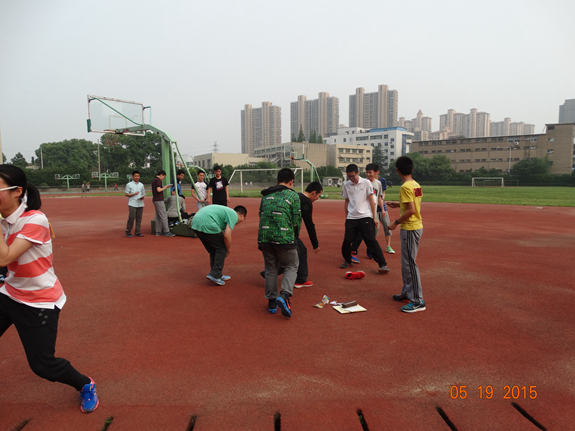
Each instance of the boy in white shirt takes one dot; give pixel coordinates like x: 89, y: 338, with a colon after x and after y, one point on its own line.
x: 360, y: 217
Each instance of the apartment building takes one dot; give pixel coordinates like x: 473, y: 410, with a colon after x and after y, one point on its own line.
x: 502, y: 152
x: 418, y: 124
x: 345, y: 146
x: 567, y: 111
x: 261, y: 127
x: 320, y: 115
x: 373, y: 110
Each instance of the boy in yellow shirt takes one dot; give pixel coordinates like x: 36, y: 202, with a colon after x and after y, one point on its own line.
x: 411, y: 229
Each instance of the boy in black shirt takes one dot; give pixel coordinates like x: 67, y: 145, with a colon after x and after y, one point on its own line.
x: 219, y: 187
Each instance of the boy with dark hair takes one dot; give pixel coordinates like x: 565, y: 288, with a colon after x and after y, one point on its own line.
x: 312, y: 193
x: 411, y: 229
x: 371, y: 171
x: 213, y: 225
x: 219, y: 186
x: 280, y: 222
x: 360, y: 217
x: 135, y: 191
x: 179, y: 178
x: 202, y: 188
x: 158, y: 200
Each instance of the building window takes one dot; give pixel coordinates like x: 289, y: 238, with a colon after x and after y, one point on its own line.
x: 344, y: 140
x: 532, y: 148
x: 533, y: 139
x: 384, y: 136
x: 550, y: 139
x: 392, y: 153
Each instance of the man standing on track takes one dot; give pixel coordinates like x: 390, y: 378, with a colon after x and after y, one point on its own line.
x: 219, y: 186
x: 158, y: 199
x: 410, y: 195
x: 280, y: 222
x: 202, y: 187
x: 135, y: 191
x: 360, y: 216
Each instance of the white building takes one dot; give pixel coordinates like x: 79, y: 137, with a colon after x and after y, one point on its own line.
x: 394, y: 142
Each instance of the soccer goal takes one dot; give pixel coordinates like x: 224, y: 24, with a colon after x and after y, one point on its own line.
x: 487, y: 182
x: 261, y: 178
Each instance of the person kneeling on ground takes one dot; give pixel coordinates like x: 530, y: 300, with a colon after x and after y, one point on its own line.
x: 173, y: 208
x: 280, y: 222
x: 213, y: 225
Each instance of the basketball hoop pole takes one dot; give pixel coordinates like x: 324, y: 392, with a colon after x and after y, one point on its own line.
x: 68, y: 178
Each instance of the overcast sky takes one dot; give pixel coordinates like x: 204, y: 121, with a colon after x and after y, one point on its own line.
x: 198, y: 63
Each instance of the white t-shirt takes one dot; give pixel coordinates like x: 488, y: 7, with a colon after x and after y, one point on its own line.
x: 358, y: 195
x: 202, y: 189
x: 377, y: 192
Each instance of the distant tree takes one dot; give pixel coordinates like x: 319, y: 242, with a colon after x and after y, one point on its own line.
x: 378, y: 156
x: 293, y: 138
x: 301, y: 137
x: 531, y: 169
x: 3, y: 158
x: 312, y: 137
x: 319, y: 139
x: 440, y: 168
x: 19, y: 160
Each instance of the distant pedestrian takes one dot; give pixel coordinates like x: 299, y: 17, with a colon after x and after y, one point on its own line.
x: 115, y: 187
x: 136, y: 192
x: 88, y: 187
x: 83, y: 187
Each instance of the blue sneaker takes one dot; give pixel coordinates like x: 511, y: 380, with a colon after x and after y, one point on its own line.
x: 413, y: 308
x: 354, y: 259
x: 225, y: 277
x: 129, y: 235
x: 89, y: 398
x: 369, y: 256
x: 284, y: 305
x: 272, y: 306
x: 218, y: 281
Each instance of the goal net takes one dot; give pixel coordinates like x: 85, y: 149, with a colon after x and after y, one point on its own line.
x: 247, y: 179
x: 487, y: 182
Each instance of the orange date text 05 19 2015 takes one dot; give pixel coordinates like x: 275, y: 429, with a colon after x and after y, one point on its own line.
x: 508, y: 392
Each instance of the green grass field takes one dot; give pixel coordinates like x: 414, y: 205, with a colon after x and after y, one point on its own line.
x: 535, y: 196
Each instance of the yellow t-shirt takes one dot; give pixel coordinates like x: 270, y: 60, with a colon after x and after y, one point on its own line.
x: 410, y: 192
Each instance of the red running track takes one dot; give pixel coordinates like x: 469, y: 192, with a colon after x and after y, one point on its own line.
x: 164, y: 344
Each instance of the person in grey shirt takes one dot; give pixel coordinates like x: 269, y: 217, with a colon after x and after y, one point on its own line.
x: 136, y: 192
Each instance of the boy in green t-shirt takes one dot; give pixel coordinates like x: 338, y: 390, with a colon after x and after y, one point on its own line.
x: 213, y: 225
x: 411, y: 229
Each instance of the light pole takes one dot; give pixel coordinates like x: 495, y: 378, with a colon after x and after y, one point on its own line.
x: 509, y: 148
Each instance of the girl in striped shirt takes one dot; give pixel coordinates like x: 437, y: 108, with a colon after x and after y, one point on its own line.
x: 32, y: 297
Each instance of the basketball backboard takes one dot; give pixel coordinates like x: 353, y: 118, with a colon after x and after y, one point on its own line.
x: 106, y: 115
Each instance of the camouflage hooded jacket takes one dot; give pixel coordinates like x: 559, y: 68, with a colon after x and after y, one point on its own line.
x: 280, y: 216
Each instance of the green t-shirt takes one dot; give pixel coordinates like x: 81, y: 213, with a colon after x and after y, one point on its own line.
x: 213, y: 219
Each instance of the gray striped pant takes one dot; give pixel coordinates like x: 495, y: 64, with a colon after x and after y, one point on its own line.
x: 409, y: 270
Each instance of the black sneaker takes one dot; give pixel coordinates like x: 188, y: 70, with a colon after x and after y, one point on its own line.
x: 346, y: 265
x: 284, y: 305
x: 383, y: 269
x: 400, y: 298
x: 272, y: 306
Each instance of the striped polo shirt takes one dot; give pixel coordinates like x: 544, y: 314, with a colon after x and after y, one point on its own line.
x: 31, y: 279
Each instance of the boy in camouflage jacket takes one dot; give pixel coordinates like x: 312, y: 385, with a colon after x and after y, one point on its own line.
x: 280, y: 222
